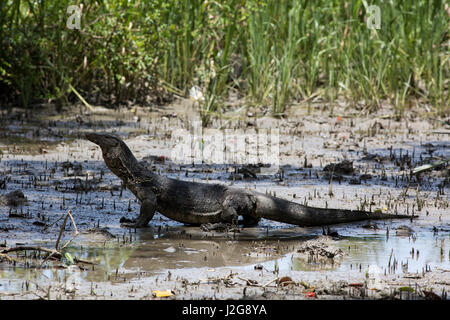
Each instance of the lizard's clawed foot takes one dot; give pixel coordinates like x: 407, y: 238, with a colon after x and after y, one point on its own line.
x: 129, y: 223
x: 250, y: 221
x: 219, y: 227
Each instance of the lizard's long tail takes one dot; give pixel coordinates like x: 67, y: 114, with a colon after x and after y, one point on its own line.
x: 281, y: 210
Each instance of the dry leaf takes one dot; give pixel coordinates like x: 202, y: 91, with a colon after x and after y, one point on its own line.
x: 162, y: 293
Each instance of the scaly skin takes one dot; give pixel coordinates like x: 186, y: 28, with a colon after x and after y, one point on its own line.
x: 200, y: 203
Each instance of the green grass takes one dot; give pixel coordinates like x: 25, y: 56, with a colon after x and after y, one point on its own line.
x: 112, y: 56
x: 286, y: 52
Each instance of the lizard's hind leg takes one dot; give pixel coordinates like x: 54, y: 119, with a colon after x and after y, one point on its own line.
x: 229, y: 219
x: 240, y: 205
x: 250, y: 221
x: 229, y: 212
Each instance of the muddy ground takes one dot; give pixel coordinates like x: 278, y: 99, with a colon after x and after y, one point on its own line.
x: 44, y: 156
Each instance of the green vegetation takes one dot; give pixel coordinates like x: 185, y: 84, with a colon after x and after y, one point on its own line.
x: 275, y: 53
x: 111, y: 57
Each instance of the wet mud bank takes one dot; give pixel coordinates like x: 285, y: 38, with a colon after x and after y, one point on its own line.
x: 340, y: 160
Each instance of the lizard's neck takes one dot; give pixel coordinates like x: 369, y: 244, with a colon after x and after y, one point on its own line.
x: 123, y: 168
x: 122, y: 163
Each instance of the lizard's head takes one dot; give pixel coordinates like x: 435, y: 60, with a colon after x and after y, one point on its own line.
x: 118, y: 157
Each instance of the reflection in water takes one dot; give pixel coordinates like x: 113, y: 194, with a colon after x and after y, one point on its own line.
x: 109, y: 257
x: 154, y: 256
x: 413, y: 253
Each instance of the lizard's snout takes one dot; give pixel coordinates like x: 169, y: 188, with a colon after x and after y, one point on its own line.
x: 101, y: 139
x: 93, y: 137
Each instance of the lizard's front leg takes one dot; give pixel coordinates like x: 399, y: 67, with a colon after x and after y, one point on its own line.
x: 147, y: 211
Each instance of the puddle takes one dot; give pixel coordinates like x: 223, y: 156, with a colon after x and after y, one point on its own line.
x: 412, y: 255
x: 155, y: 257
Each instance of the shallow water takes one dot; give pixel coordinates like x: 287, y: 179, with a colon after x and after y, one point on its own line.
x: 376, y: 250
x: 153, y: 257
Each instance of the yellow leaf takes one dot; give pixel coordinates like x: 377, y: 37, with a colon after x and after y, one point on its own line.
x: 162, y: 293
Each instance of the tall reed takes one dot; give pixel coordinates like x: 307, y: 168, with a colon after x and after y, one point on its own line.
x: 275, y: 53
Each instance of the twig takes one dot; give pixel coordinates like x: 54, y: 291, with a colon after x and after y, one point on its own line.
x: 61, y: 230
x: 274, y: 279
x: 390, y: 256
x: 49, y: 225
x: 69, y: 213
x: 250, y: 282
x: 73, y: 221
x: 81, y: 98
x: 4, y: 255
x: 84, y: 261
x: 28, y: 248
x: 53, y: 253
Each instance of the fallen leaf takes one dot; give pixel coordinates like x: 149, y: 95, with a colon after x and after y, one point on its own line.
x: 426, y: 167
x: 162, y: 293
x: 69, y: 257
x: 311, y: 294
x: 285, y: 281
x: 356, y: 284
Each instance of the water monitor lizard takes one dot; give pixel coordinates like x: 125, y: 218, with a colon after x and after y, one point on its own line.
x: 202, y: 203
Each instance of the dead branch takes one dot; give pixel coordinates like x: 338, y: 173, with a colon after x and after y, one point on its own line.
x: 52, y: 253
x: 61, y: 230
x: 31, y: 248
x: 69, y: 213
x: 269, y: 282
x: 250, y: 282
